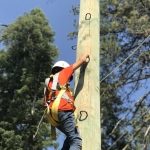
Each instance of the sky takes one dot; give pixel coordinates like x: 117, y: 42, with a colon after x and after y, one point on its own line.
x: 57, y: 12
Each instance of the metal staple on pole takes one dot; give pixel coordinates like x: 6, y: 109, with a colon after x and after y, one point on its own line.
x: 74, y: 47
x: 86, y: 16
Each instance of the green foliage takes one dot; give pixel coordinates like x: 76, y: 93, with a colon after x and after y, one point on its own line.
x: 24, y: 64
x: 128, y: 22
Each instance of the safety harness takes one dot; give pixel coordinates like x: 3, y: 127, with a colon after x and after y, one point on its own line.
x: 52, y: 114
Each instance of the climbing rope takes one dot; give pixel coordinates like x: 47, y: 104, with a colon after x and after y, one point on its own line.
x: 125, y: 59
x: 39, y: 124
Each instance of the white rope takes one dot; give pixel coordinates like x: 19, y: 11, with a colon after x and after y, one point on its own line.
x: 125, y: 59
x: 39, y: 125
x: 128, y: 132
x: 145, y: 136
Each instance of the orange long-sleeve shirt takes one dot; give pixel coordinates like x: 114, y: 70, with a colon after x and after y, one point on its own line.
x: 63, y: 78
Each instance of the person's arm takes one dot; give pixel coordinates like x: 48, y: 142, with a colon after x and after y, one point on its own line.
x: 81, y: 60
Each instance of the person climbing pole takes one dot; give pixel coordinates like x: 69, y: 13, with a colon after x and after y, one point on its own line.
x: 60, y: 103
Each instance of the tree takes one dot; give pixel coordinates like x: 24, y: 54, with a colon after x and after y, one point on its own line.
x: 140, y: 127
x: 25, y: 63
x: 127, y: 23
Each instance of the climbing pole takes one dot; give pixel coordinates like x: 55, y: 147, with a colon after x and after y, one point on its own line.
x: 87, y: 95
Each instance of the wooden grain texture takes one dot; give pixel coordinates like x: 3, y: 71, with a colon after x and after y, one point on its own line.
x: 87, y: 85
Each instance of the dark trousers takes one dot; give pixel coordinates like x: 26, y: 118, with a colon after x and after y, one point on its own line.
x: 73, y: 140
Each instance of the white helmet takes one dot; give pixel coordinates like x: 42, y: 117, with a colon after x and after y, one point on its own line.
x: 60, y: 64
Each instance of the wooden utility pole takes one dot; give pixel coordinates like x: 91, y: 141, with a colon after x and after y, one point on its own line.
x: 87, y: 85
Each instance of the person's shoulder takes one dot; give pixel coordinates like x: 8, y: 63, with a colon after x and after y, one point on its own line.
x: 65, y: 75
x: 69, y: 68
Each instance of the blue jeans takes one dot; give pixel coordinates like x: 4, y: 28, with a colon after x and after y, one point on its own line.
x: 73, y: 140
